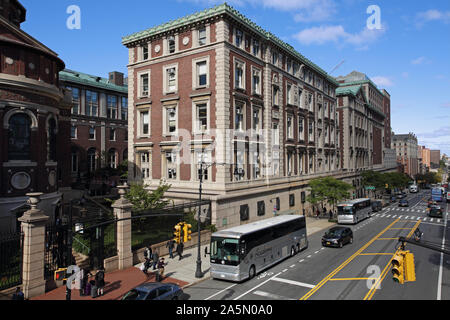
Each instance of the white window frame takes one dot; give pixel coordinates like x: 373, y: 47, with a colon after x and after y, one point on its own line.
x: 275, y: 134
x: 166, y: 109
x: 289, y: 129
x: 195, y: 167
x: 174, y: 165
x: 146, y: 167
x: 76, y: 132
x: 235, y: 37
x: 167, y: 47
x: 196, y: 75
x: 89, y: 133
x: 243, y: 107
x: 256, y: 71
x: 275, y: 98
x: 206, y: 36
x: 257, y: 54
x: 114, y: 131
x: 301, y: 134
x: 258, y: 110
x: 141, y: 52
x: 241, y: 64
x: 310, y: 130
x: 140, y: 126
x: 289, y: 93
x: 140, y: 86
x: 90, y: 105
x: 195, y: 123
x: 166, y: 68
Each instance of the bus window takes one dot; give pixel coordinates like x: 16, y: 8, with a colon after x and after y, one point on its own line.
x: 225, y: 249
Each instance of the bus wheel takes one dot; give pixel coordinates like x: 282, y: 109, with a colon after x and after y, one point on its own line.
x: 252, y: 272
x: 292, y: 251
x: 297, y: 248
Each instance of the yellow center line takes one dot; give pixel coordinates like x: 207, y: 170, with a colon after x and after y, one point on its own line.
x: 376, y: 254
x: 372, y: 291
x: 400, y: 228
x: 321, y: 283
x: 351, y: 279
x: 387, y: 239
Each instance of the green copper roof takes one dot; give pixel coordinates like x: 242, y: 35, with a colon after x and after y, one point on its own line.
x: 348, y: 90
x: 353, y: 83
x: 224, y: 9
x: 89, y: 80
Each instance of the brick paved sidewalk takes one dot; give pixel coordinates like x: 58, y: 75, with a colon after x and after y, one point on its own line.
x: 117, y: 284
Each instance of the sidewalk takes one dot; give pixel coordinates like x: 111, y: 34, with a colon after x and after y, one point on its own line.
x: 178, y: 271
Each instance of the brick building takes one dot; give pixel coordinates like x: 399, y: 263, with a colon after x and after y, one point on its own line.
x: 406, y: 149
x: 34, y: 121
x: 98, y: 136
x: 435, y: 158
x: 216, y: 86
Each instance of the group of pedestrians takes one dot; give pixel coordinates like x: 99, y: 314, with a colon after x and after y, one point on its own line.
x: 93, y: 288
x: 154, y: 261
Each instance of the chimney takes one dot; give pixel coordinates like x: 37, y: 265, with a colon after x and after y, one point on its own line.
x: 116, y: 78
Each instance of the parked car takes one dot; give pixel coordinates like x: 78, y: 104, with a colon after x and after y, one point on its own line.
x: 154, y: 291
x: 403, y: 203
x: 377, y: 206
x: 435, y: 212
x: 337, y: 237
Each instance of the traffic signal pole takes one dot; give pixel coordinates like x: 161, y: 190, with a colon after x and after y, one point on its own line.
x: 437, y: 248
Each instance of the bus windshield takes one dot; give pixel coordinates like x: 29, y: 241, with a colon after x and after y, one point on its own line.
x: 225, y: 249
x: 345, y: 210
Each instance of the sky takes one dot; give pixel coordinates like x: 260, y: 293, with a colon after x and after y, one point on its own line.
x: 403, y: 46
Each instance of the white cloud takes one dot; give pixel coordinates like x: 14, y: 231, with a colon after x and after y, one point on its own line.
x: 382, y: 81
x: 337, y: 34
x: 420, y: 60
x: 432, y: 15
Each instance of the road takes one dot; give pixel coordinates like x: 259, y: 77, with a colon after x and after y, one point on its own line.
x: 358, y: 271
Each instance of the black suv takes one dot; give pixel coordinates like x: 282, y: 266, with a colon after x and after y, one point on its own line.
x: 337, y: 237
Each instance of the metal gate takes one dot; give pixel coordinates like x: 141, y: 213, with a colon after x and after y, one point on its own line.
x: 11, y: 257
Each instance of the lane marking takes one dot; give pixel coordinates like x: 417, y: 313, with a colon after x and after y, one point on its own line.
x: 344, y: 264
x: 351, y: 279
x: 259, y: 285
x: 271, y: 295
x: 295, y: 283
x: 221, y: 291
x: 438, y: 297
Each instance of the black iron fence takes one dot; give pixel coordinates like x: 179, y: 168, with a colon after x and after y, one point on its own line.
x: 11, y: 255
x: 157, y: 225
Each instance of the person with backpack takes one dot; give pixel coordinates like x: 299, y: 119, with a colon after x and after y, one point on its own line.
x: 100, y: 281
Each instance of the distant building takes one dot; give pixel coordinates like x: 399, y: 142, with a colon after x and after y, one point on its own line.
x: 406, y: 149
x: 435, y: 158
x: 34, y: 122
x: 99, y: 124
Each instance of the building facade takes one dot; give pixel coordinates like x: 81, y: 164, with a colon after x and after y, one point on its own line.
x: 215, y: 87
x: 435, y: 158
x: 406, y: 149
x: 34, y: 121
x: 99, y: 123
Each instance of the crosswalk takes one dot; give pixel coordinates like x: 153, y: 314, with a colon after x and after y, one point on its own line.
x: 407, y: 214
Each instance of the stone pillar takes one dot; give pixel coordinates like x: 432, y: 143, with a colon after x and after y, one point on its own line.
x: 122, y: 210
x: 33, y: 227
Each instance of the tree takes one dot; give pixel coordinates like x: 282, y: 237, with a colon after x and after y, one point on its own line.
x: 373, y: 179
x: 328, y: 189
x: 142, y: 199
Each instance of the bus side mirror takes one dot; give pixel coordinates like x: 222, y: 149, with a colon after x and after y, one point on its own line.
x: 206, y: 251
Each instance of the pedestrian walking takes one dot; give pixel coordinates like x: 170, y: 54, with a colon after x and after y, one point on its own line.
x: 180, y: 250
x: 161, y: 265
x: 148, y: 253
x: 317, y: 213
x: 18, y: 295
x: 100, y: 281
x: 170, y: 244
x: 155, y: 259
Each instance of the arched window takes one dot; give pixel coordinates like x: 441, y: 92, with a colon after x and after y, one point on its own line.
x: 51, y: 139
x: 19, y: 137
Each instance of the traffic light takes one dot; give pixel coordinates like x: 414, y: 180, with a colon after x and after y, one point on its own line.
x: 410, y: 269
x: 403, y: 268
x: 60, y: 274
x: 187, y: 232
x: 177, y: 233
x: 398, y: 268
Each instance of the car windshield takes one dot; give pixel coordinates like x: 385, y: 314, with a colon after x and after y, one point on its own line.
x: 224, y: 249
x: 333, y: 233
x: 134, y: 294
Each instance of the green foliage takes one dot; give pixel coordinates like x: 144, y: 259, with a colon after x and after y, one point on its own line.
x: 143, y: 199
x: 373, y: 178
x: 328, y: 189
x: 428, y: 178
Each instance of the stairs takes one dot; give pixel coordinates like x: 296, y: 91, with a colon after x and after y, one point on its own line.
x: 81, y: 260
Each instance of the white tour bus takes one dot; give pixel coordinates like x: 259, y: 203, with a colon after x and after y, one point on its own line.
x: 352, y: 212
x: 241, y: 252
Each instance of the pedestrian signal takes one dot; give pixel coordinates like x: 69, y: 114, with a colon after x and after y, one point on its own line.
x: 177, y: 233
x: 187, y: 232
x: 60, y: 274
x: 398, y: 268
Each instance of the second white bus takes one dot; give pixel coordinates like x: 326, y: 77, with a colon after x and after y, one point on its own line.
x: 354, y: 211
